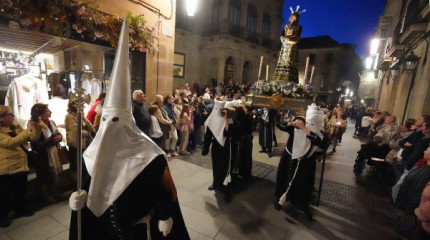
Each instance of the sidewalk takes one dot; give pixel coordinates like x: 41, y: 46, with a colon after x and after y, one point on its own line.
x: 348, y: 210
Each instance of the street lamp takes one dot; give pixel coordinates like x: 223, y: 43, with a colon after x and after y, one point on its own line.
x: 411, y: 64
x: 374, y: 45
x: 411, y: 61
x: 191, y: 7
x: 395, y: 70
x: 369, y: 62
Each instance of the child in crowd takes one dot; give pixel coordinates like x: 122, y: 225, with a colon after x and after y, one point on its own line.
x: 185, y: 121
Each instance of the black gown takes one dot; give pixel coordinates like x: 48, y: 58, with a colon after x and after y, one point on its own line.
x: 301, y: 187
x: 267, y: 133
x: 220, y: 157
x: 153, y: 191
x: 242, y: 144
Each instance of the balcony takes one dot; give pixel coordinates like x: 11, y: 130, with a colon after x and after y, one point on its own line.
x: 394, y: 51
x: 414, y: 31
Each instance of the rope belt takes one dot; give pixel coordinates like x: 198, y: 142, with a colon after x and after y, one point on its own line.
x: 146, y: 220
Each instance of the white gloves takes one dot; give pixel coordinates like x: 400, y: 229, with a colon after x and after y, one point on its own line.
x: 165, y: 226
x: 77, y: 201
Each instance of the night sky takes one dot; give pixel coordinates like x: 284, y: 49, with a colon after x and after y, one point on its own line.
x: 346, y: 21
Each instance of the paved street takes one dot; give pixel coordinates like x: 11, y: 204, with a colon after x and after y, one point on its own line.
x: 350, y: 208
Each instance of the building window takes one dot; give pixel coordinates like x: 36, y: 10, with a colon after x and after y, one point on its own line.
x: 265, y: 29
x: 312, y: 58
x: 179, y: 65
x: 329, y: 58
x: 251, y: 20
x: 234, y: 13
x: 216, y: 12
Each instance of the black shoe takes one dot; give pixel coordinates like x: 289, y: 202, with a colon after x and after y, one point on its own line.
x: 270, y: 154
x: 5, y: 223
x: 211, y: 188
x: 308, y: 213
x: 334, y: 150
x: 276, y: 144
x: 228, y: 197
x: 263, y: 150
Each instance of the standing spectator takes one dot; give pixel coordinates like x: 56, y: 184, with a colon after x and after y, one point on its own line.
x: 140, y: 111
x: 71, y: 125
x: 366, y: 121
x: 155, y: 132
x: 99, y: 111
x: 13, y: 165
x: 219, y: 89
x: 165, y: 123
x: 173, y: 137
x: 92, y: 113
x: 207, y: 94
x: 46, y: 145
x: 184, y: 121
x: 183, y: 97
x: 177, y: 108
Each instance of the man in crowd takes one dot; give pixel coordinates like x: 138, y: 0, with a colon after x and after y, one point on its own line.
x: 140, y: 111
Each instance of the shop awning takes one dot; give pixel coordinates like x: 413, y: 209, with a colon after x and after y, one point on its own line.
x: 30, y: 41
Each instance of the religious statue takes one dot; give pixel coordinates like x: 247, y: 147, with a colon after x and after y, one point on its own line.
x: 287, y: 67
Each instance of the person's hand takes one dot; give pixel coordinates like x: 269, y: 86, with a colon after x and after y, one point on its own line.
x: 77, y: 200
x: 408, y: 144
x: 165, y: 226
x: 299, y: 124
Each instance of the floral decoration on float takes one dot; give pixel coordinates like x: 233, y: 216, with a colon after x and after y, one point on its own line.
x: 288, y: 90
x: 70, y: 19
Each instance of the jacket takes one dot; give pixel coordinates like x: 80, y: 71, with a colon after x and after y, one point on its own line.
x: 12, y: 158
x: 141, y: 116
x: 411, y: 189
x: 71, y: 125
x: 417, y: 152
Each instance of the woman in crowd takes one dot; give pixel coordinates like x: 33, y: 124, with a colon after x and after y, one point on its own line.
x: 173, y: 137
x: 165, y: 123
x: 46, y: 145
x: 155, y: 132
x: 71, y: 125
x: 184, y: 121
x: 92, y: 113
x: 13, y: 165
x: 198, y: 120
x: 99, y: 111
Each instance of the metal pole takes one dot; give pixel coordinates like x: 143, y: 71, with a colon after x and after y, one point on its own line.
x: 80, y: 99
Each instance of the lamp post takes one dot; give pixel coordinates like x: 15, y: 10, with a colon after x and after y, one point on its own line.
x: 411, y: 63
x: 191, y: 6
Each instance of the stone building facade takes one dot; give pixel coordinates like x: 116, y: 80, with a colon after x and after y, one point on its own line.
x: 336, y: 67
x: 403, y: 30
x: 225, y: 39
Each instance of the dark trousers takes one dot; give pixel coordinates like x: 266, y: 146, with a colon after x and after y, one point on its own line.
x: 12, y: 191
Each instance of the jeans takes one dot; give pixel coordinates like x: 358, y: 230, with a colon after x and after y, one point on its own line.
x: 395, y: 189
x: 173, y: 139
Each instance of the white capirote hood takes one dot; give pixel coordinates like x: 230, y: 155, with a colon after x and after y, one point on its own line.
x: 120, y: 151
x: 216, y: 122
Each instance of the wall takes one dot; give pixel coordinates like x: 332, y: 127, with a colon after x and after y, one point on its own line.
x: 159, y: 66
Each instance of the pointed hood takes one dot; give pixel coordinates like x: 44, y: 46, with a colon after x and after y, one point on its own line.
x: 120, y: 151
x: 118, y: 95
x: 216, y: 122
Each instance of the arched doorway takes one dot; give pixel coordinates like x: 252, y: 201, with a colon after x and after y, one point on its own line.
x: 213, y: 71
x: 247, y: 72
x: 229, y: 70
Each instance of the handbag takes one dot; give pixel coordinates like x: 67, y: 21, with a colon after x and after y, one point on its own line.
x: 63, y: 154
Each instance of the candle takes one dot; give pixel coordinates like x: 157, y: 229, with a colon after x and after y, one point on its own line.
x: 312, y: 74
x: 267, y: 72
x: 306, y: 69
x: 259, y: 70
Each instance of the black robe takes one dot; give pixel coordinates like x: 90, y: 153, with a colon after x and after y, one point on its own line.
x: 267, y: 131
x: 242, y: 144
x: 153, y: 191
x: 301, y: 187
x: 220, y: 156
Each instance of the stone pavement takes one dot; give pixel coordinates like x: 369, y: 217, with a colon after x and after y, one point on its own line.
x: 350, y: 208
